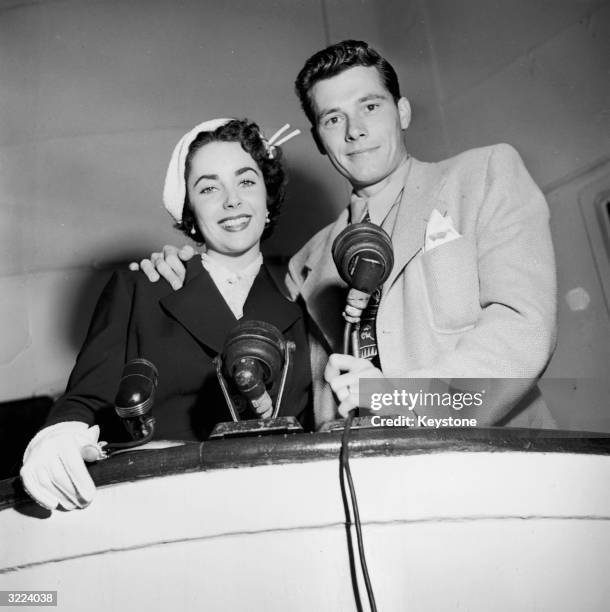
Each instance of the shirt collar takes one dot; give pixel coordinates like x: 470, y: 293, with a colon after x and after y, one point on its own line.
x: 220, y: 272
x: 379, y: 205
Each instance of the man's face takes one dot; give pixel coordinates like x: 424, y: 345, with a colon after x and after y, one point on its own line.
x: 359, y: 125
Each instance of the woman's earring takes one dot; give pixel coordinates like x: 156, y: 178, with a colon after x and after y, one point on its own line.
x: 267, y: 220
x: 193, y: 231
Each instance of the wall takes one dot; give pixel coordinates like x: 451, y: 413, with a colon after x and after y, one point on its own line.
x: 534, y: 74
x: 95, y: 94
x: 94, y: 97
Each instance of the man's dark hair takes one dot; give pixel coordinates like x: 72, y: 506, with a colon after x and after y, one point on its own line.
x: 248, y: 135
x: 336, y: 59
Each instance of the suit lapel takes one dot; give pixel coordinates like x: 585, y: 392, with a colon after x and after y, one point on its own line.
x: 199, y: 307
x: 419, y: 198
x: 323, y: 290
x: 265, y: 302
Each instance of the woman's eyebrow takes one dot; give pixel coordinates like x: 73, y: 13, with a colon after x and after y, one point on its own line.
x: 245, y: 169
x: 215, y: 177
x: 211, y: 177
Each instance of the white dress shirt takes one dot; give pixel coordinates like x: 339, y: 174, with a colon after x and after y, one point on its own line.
x: 233, y: 286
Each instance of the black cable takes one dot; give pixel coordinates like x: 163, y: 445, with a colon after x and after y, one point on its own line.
x: 353, y: 570
x: 352, y: 491
x: 114, y: 447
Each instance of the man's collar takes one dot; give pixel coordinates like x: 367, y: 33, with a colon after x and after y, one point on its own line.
x: 379, y: 204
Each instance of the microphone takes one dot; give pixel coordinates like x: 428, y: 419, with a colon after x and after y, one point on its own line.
x: 364, y: 258
x: 135, y: 397
x: 253, y: 357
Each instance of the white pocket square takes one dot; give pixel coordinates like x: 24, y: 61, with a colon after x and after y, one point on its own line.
x: 439, y: 230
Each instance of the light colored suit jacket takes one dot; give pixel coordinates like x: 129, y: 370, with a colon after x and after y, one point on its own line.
x: 483, y: 305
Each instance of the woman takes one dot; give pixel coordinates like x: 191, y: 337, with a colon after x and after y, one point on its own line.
x: 224, y: 188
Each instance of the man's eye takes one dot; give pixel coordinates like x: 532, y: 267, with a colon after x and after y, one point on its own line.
x: 372, y: 106
x: 332, y: 121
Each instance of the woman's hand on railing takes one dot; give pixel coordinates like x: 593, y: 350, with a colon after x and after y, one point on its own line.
x: 54, y: 472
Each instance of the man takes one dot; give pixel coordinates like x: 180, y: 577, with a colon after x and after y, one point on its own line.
x: 472, y: 292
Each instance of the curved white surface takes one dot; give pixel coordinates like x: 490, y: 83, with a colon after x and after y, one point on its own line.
x: 443, y: 531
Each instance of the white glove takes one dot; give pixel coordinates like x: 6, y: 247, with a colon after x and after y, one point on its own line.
x: 54, y: 471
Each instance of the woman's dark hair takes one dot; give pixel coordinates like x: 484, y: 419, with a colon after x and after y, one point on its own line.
x: 336, y: 59
x: 248, y: 135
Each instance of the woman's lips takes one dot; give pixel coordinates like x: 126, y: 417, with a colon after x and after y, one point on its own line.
x: 235, y: 224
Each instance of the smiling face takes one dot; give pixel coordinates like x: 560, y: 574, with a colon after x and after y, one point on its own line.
x: 359, y: 126
x: 227, y: 194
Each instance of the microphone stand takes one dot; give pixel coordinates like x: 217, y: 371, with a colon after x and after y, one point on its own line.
x: 289, y: 348
x: 363, y: 255
x: 288, y: 351
x: 265, y: 345
x: 351, y: 342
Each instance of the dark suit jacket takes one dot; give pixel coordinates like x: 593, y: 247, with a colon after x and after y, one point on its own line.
x: 180, y: 333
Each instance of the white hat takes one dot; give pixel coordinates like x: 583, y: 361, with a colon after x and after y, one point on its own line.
x: 174, y: 190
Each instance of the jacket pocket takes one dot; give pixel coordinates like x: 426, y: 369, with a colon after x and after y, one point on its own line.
x: 452, y: 285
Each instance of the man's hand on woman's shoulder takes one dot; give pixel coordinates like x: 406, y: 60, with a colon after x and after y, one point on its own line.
x: 167, y: 264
